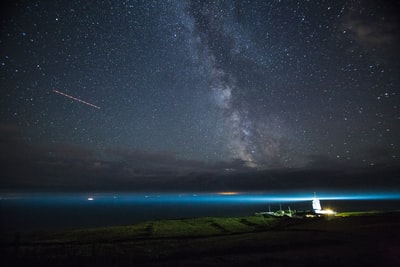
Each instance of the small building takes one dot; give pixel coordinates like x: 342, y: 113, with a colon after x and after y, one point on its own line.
x: 317, y: 211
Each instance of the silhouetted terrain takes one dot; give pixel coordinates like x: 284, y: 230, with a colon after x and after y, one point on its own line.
x: 365, y: 240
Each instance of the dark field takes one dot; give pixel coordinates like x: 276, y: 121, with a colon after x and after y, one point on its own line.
x: 358, y: 239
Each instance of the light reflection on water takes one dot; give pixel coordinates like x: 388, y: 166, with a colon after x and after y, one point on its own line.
x: 209, y: 198
x: 41, y: 212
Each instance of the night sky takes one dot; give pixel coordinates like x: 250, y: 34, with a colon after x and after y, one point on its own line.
x: 199, y: 95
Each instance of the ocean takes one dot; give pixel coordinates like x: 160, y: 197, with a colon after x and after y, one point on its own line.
x: 25, y: 213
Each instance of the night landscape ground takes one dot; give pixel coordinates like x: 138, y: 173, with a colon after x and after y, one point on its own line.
x: 348, y: 239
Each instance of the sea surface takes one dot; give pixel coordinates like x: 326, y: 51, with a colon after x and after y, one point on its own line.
x: 24, y: 213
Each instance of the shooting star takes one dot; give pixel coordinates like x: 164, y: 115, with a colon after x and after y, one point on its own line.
x: 76, y: 99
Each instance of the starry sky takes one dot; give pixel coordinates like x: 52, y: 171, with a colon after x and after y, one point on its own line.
x: 199, y: 95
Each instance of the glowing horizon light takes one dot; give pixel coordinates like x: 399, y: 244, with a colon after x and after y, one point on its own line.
x: 215, y: 197
x: 228, y: 193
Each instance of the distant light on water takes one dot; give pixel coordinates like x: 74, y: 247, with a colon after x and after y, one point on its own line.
x: 43, y: 211
x: 210, y: 198
x: 228, y: 193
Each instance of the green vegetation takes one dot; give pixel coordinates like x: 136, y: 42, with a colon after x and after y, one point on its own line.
x: 109, y: 234
x: 217, y: 241
x: 179, y: 228
x: 196, y: 227
x: 359, y: 213
x: 183, y: 228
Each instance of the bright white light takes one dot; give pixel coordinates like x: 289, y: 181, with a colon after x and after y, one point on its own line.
x: 327, y: 212
x: 90, y: 198
x: 330, y: 212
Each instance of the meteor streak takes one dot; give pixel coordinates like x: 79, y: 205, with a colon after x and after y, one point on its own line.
x: 76, y: 99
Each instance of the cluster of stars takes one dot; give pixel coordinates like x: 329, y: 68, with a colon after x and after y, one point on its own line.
x: 273, y: 84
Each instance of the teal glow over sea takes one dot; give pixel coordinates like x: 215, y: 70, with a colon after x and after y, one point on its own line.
x: 58, y: 211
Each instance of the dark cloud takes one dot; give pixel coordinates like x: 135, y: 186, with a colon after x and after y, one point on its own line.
x: 68, y: 167
x: 374, y: 26
x: 145, y: 159
x: 325, y: 162
x: 373, y: 33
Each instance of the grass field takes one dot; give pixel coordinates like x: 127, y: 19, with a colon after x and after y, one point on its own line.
x: 362, y: 239
x: 181, y: 228
x: 360, y: 213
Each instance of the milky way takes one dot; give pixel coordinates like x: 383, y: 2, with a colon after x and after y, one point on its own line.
x: 231, y: 53
x: 198, y: 87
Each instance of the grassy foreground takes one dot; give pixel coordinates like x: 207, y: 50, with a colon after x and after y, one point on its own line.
x: 359, y: 239
x: 181, y: 228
